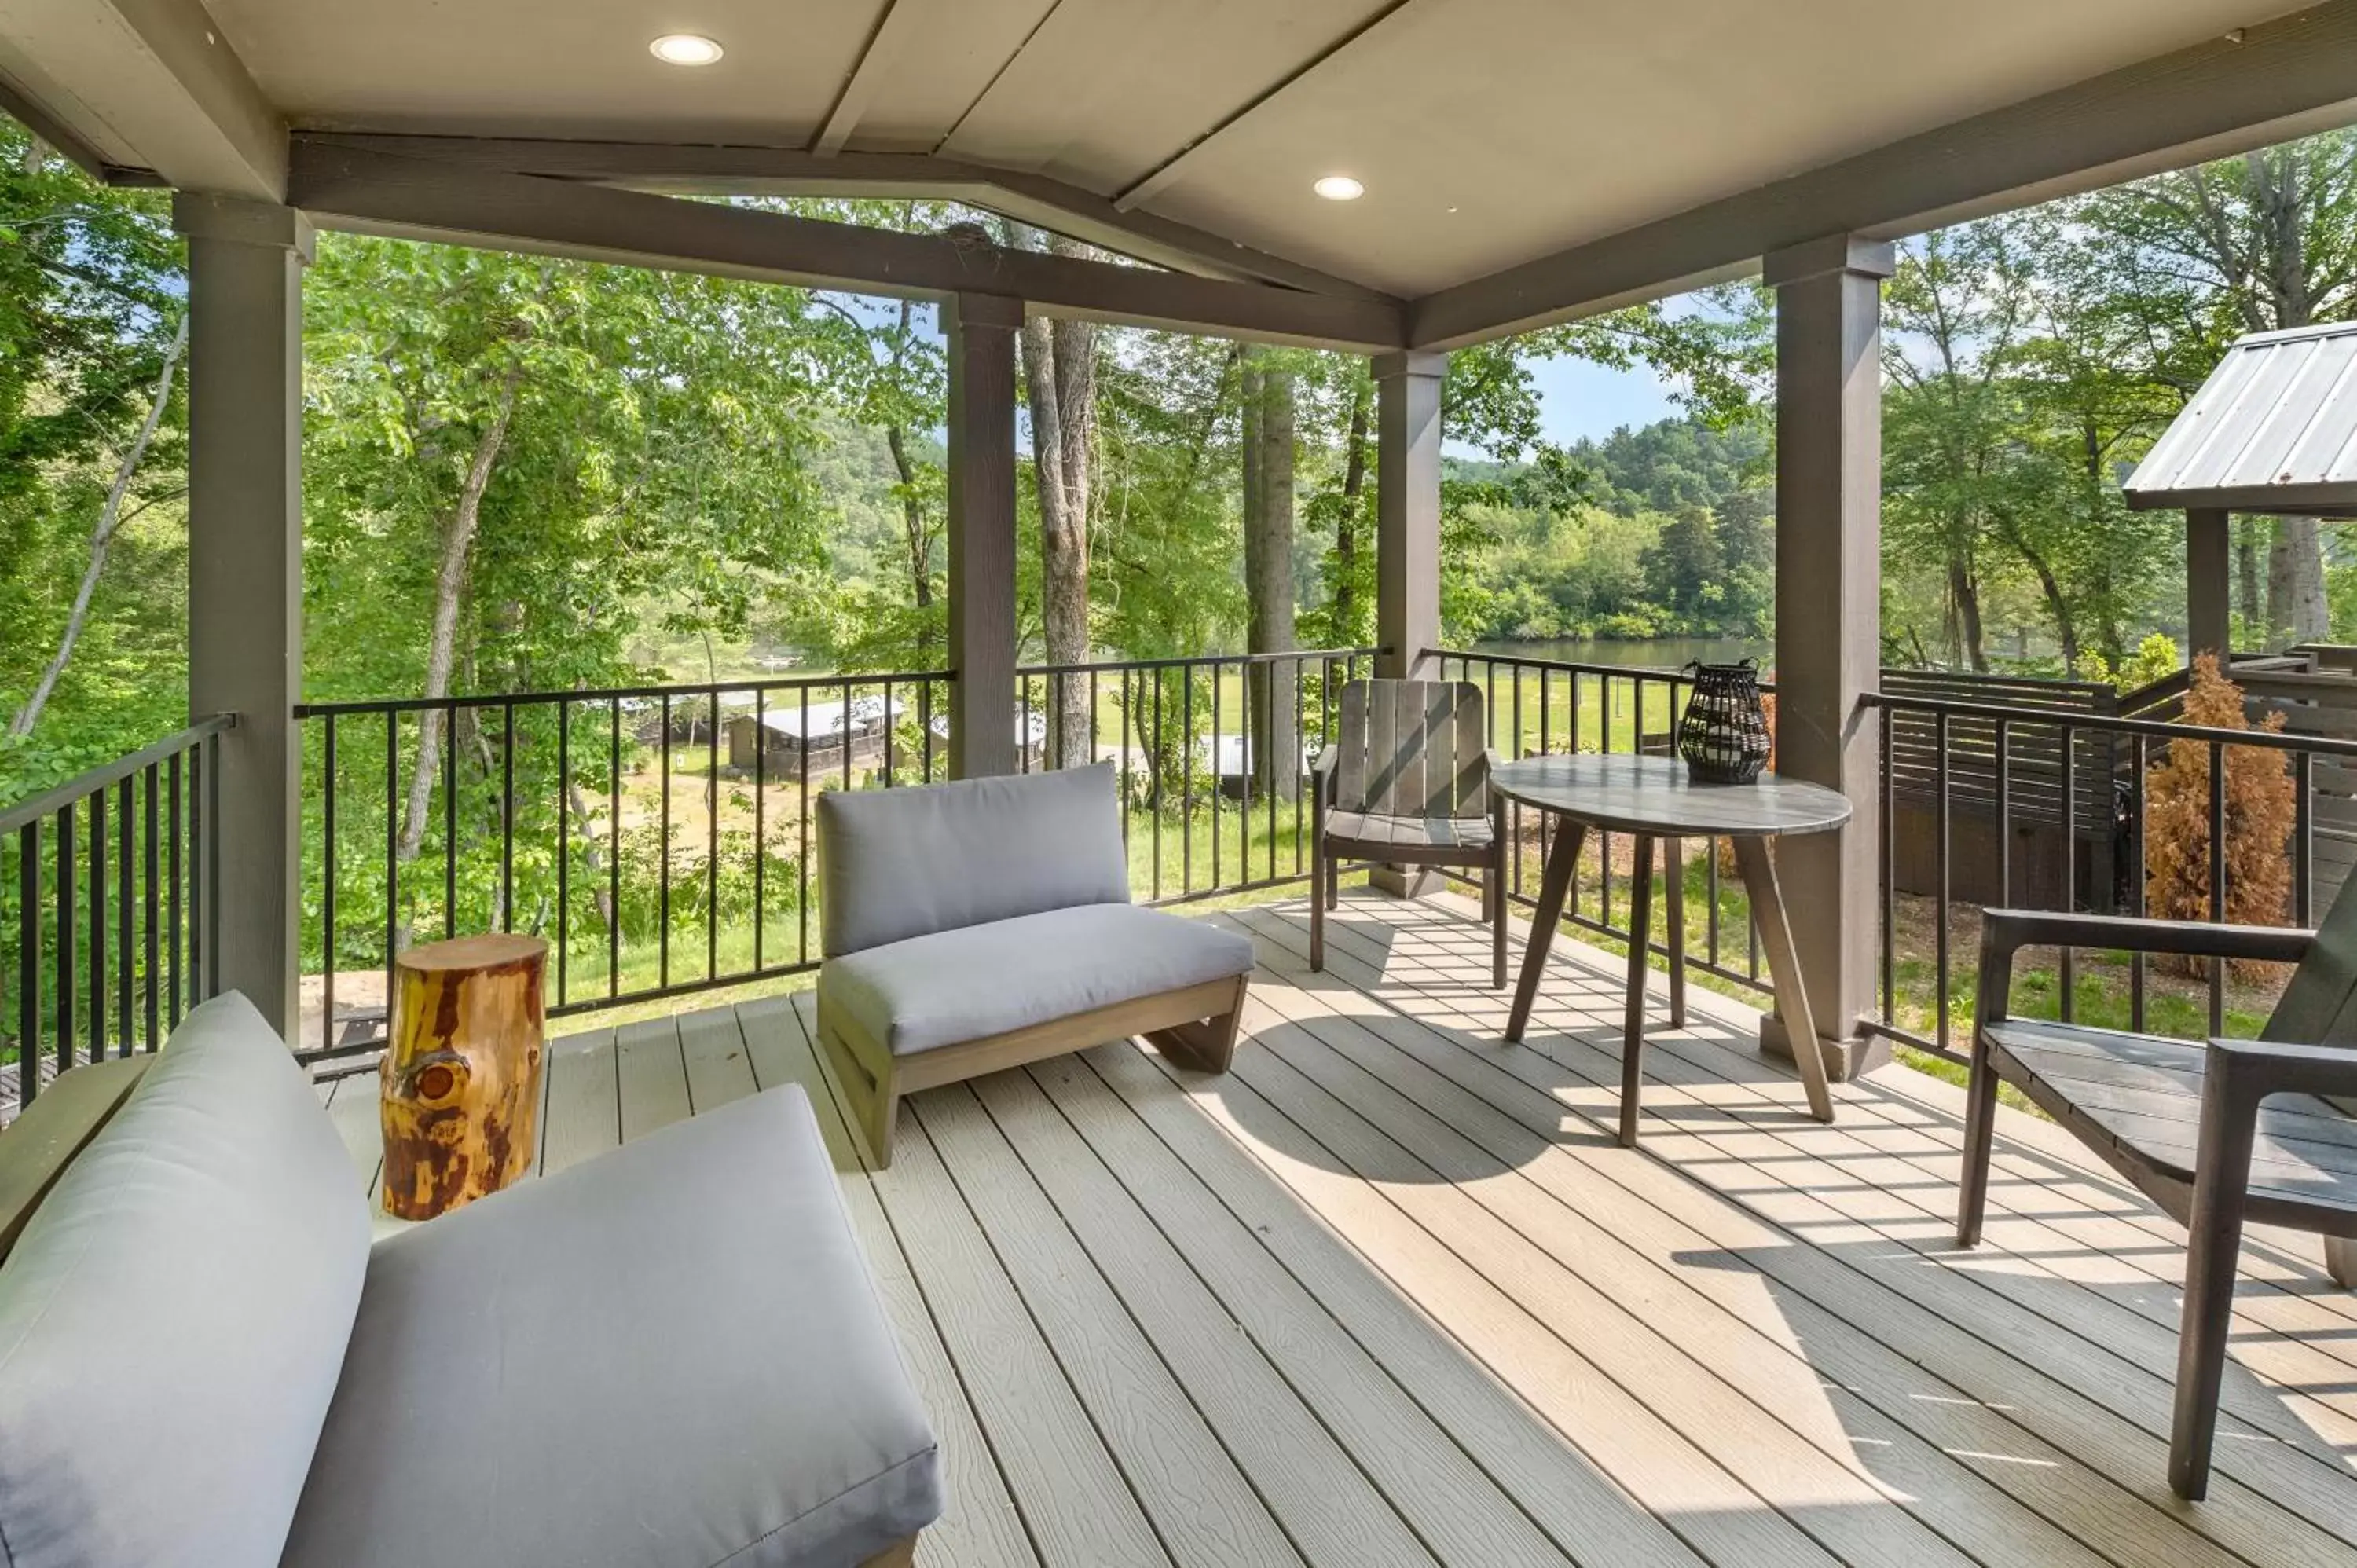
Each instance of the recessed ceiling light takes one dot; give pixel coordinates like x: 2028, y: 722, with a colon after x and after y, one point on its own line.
x: 1339, y: 187
x: 685, y: 49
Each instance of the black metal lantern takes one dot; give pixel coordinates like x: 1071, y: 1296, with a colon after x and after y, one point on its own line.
x: 1724, y: 734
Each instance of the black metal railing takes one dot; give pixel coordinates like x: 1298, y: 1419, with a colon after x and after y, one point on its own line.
x: 1212, y: 752
x: 1987, y: 804
x: 660, y: 837
x: 1540, y: 706
x: 108, y: 887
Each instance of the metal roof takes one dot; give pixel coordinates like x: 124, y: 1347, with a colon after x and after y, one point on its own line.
x: 2274, y: 429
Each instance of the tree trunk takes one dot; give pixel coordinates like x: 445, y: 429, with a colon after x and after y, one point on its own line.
x: 912, y: 519
x: 2247, y: 577
x: 101, y: 534
x: 449, y: 583
x: 2297, y: 611
x: 1346, y: 525
x: 1268, y: 555
x: 460, y: 1080
x: 1964, y: 601
x: 1060, y: 374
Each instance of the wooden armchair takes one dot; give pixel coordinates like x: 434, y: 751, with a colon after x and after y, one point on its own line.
x: 2185, y: 1122
x: 1405, y: 780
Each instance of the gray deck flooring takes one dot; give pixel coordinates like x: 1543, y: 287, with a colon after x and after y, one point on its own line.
x: 1389, y: 1292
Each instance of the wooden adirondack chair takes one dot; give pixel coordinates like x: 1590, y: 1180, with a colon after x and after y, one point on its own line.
x: 2184, y: 1122
x: 1405, y: 781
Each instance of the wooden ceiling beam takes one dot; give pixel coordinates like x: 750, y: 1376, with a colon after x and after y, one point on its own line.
x: 141, y: 85
x: 1036, y: 199
x: 372, y: 191
x: 901, y: 21
x: 2258, y: 85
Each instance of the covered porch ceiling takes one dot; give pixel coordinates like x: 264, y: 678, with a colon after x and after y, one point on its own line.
x: 1523, y: 161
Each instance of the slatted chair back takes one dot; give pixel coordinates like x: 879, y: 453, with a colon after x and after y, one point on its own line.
x: 1412, y: 748
x: 2319, y: 1006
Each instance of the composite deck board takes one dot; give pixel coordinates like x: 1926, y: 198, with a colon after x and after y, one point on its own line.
x: 584, y: 1114
x: 2062, y: 1374
x: 1390, y: 1292
x: 982, y: 1528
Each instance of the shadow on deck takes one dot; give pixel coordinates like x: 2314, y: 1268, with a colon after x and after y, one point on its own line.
x: 1390, y: 1293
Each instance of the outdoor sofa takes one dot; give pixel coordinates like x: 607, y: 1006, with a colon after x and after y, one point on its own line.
x: 984, y: 924
x: 669, y: 1355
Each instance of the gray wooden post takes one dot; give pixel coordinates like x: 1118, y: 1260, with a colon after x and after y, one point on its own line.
x: 245, y: 571
x: 1828, y: 619
x: 1407, y: 510
x: 2209, y: 582
x: 981, y: 330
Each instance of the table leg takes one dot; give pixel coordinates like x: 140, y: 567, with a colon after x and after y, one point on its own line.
x: 1553, y: 886
x: 1673, y: 898
x: 1632, y: 1032
x: 1784, y: 968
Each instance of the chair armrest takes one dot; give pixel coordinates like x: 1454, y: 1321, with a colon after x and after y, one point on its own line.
x: 1322, y: 774
x: 2257, y: 1068
x: 2005, y: 932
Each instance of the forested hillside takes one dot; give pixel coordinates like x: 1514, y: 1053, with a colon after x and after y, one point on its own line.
x: 525, y: 474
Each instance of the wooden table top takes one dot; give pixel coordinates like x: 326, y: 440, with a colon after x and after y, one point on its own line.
x: 1655, y: 795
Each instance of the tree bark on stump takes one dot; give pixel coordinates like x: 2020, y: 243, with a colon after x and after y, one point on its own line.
x: 461, y: 1081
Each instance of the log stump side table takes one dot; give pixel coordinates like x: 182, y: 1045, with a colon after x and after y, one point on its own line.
x: 461, y: 1079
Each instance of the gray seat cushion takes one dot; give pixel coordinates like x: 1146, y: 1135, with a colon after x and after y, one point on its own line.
x: 174, y: 1316
x: 955, y: 986
x: 896, y: 864
x: 667, y: 1357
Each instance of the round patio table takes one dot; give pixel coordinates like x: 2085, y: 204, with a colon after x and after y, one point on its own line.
x: 1652, y: 800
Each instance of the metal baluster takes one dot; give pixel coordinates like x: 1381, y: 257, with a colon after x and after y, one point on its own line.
x: 97, y: 925
x: 712, y: 821
x: 802, y: 852
x: 1293, y: 763
x: 1890, y: 899
x: 2217, y: 881
x: 1940, y: 751
x: 172, y: 860
x: 2303, y: 855
x: 151, y: 1036
x: 1215, y: 775
x: 328, y: 886
x: 28, y: 962
x: 392, y: 839
x: 563, y: 842
x: 760, y: 802
x: 1186, y: 788
x: 507, y: 816
x: 663, y: 860
x: 449, y: 827
x: 1156, y: 676
x: 2068, y: 968
x: 67, y: 979
x: 613, y: 847
x: 2136, y: 890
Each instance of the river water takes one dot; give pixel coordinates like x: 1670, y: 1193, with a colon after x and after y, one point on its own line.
x: 1659, y: 653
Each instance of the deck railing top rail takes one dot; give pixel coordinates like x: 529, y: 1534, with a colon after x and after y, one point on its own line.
x: 682, y: 689
x: 81, y: 786
x: 2320, y: 746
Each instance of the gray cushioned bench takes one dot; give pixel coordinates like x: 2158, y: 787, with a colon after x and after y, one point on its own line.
x: 670, y: 1355
x: 981, y: 925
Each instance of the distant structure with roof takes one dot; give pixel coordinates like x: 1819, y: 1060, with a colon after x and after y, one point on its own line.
x: 2274, y: 430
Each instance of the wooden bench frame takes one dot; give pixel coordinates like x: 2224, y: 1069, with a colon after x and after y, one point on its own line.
x: 1195, y: 1026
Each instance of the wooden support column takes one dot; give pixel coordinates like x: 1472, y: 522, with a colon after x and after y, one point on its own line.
x: 1407, y: 543
x: 982, y: 330
x: 2209, y: 585
x: 1407, y: 510
x: 1829, y: 620
x: 245, y: 570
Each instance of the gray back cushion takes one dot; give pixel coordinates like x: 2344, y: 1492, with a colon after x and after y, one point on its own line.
x: 173, y: 1319
x: 896, y: 864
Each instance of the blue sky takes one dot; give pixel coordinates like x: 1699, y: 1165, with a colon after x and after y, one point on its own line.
x: 1577, y: 398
